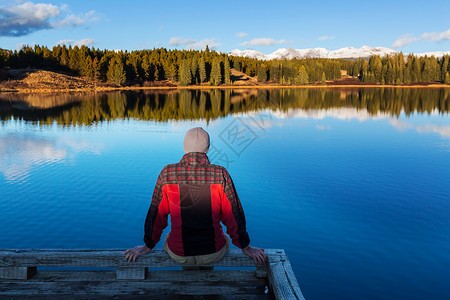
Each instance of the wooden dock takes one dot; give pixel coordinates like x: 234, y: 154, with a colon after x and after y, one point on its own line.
x: 104, y: 274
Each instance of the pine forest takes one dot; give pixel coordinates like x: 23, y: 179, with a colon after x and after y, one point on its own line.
x: 193, y: 67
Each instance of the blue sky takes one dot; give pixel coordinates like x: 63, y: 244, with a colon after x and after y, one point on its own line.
x: 408, y: 26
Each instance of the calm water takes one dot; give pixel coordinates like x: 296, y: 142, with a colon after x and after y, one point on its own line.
x: 353, y: 184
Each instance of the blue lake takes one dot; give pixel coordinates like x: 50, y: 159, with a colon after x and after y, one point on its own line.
x: 353, y: 184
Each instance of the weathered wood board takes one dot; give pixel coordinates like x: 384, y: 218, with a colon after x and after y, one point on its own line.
x: 26, y: 273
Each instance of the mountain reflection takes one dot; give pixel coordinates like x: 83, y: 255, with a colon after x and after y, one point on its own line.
x: 161, y: 106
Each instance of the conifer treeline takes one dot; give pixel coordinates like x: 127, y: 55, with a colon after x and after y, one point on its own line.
x: 188, y: 67
x: 395, y: 69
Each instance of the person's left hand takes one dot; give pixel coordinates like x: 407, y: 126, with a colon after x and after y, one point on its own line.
x: 133, y: 253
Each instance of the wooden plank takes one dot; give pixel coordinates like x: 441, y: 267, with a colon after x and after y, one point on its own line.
x: 131, y: 273
x: 17, y: 272
x: 282, y: 278
x: 119, y: 287
x: 106, y: 258
x: 139, y: 297
x: 261, y: 272
x: 155, y: 276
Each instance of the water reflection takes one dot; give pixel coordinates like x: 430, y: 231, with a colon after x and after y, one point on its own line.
x: 442, y: 130
x: 21, y: 153
x: 87, y: 109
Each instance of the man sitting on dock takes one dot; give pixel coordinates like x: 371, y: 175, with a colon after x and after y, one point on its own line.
x: 198, y: 196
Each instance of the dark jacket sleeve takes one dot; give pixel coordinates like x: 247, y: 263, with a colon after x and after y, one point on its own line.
x: 157, y: 214
x: 233, y: 215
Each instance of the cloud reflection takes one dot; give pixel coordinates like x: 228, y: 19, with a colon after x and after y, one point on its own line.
x: 21, y: 153
x: 442, y: 130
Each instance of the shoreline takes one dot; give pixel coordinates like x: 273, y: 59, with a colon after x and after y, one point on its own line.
x: 204, y: 87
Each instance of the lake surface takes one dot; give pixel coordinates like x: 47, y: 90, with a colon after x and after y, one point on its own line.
x: 353, y: 184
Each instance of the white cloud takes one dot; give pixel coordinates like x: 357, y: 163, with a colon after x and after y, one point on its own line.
x: 432, y: 36
x: 404, y: 40
x: 21, y: 45
x: 211, y: 43
x: 241, y: 34
x: 65, y: 42
x: 264, y: 42
x: 178, y: 41
x: 86, y: 42
x: 193, y: 44
x: 25, y: 18
x: 326, y: 37
x: 74, y: 21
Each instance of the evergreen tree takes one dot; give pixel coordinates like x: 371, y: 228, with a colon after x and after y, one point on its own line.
x: 216, y: 77
x: 384, y: 74
x: 262, y: 74
x: 104, y: 66
x: 185, y: 73
x: 368, y: 77
x: 406, y: 76
x: 426, y: 70
x: 88, y: 70
x: 96, y: 68
x: 274, y: 73
x: 173, y: 73
x: 375, y: 66
x: 415, y: 77
x: 447, y: 78
x: 237, y: 65
x: 324, y: 79
x: 146, y: 67
x: 444, y: 67
x: 156, y: 72
x: 302, y: 77
x: 226, y: 72
x: 73, y: 59
x: 64, y: 59
x: 116, y: 71
x: 195, y: 70
x: 202, y: 70
x: 390, y: 72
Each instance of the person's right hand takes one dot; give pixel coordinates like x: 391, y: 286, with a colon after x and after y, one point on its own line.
x: 258, y: 255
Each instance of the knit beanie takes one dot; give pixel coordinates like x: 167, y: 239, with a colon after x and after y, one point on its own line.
x: 196, y: 140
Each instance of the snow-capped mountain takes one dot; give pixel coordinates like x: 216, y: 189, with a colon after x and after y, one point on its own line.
x: 348, y: 52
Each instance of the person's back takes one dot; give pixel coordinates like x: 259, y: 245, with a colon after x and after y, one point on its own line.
x: 198, y: 196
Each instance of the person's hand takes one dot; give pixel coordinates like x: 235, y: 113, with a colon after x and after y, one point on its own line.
x: 132, y: 254
x: 258, y: 255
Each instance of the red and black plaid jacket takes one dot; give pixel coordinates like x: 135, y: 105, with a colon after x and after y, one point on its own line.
x: 198, y: 196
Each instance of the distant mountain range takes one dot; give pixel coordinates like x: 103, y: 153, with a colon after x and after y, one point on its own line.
x: 345, y: 53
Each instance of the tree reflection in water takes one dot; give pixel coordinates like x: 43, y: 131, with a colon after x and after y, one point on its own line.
x: 163, y: 105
